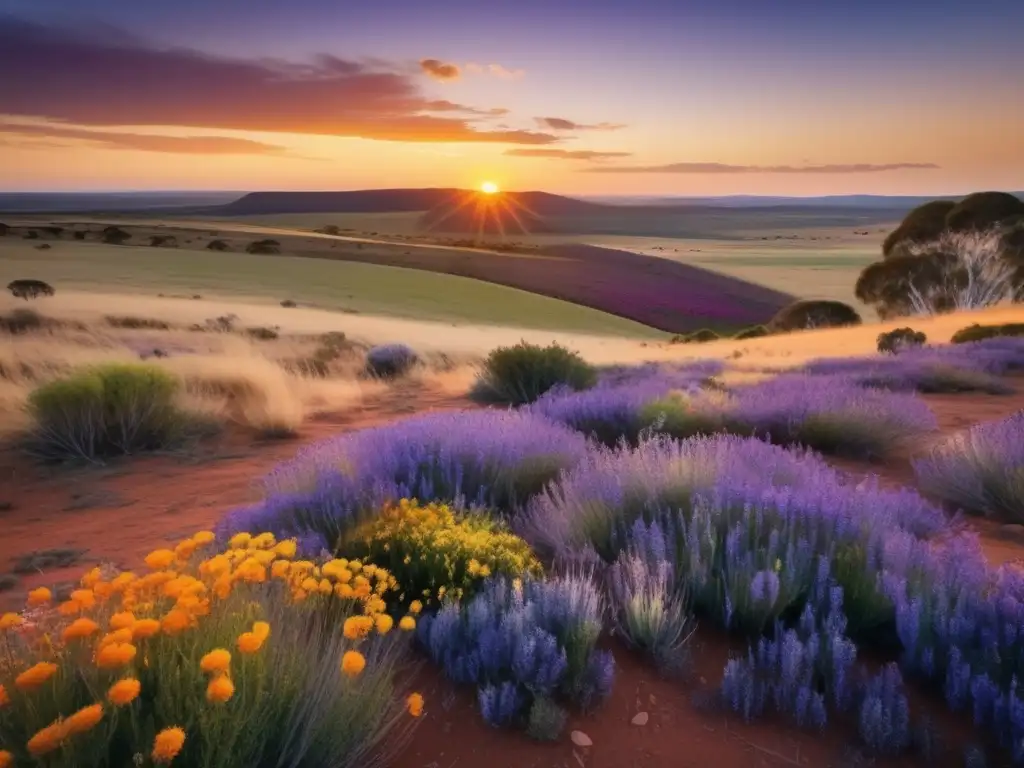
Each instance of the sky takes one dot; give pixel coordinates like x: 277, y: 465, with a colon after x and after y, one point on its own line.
x: 598, y: 97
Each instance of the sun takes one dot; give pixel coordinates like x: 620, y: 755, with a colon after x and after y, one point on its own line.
x: 489, y: 188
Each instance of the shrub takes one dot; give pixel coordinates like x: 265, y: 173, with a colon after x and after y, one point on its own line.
x: 753, y: 332
x: 702, y: 336
x: 29, y: 289
x: 899, y: 339
x: 23, y: 321
x: 521, y: 641
x: 389, y: 361
x: 264, y: 247
x: 978, y: 332
x: 218, y: 245
x: 262, y: 333
x: 114, y: 235
x: 547, y: 720
x: 79, y: 235
x: 129, y: 321
x: 814, y: 314
x: 163, y: 241
x: 227, y: 660
x: 288, y: 304
x: 106, y: 410
x: 884, y: 716
x: 520, y: 374
x: 475, y: 458
x: 981, y: 470
x: 434, y: 552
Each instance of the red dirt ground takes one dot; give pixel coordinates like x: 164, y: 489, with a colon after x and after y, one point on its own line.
x: 121, y: 512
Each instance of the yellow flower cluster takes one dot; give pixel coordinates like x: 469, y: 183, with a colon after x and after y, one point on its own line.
x: 110, y: 631
x: 436, y: 553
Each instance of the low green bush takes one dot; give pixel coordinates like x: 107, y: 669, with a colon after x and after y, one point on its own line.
x: 900, y: 338
x: 106, y: 410
x: 701, y: 336
x: 753, y: 332
x: 978, y: 332
x: 520, y: 374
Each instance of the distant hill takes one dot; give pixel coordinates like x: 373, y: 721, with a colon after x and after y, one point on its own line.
x: 108, y: 202
x: 875, y: 202
x: 505, y: 214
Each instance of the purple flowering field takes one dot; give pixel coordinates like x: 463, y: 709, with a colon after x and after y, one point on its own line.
x: 657, y: 503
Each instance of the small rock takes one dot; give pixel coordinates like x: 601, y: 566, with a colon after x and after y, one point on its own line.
x: 640, y: 718
x: 580, y: 739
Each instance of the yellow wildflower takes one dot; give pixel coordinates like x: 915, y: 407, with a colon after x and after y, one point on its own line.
x: 286, y: 548
x: 407, y: 623
x: 159, y: 558
x: 176, y: 620
x: 217, y: 660
x: 115, y: 655
x: 239, y: 540
x: 35, y: 675
x: 80, y: 628
x: 39, y: 596
x: 6, y: 759
x: 204, y: 537
x: 69, y: 608
x: 91, y: 578
x: 310, y: 584
x: 279, y: 569
x: 144, y: 628
x: 220, y: 689
x: 384, y: 623
x: 344, y: 591
x: 168, y: 744
x: 261, y: 629
x: 414, y: 704
x: 10, y: 621
x: 184, y: 550
x: 122, y: 620
x: 84, y: 720
x: 249, y: 643
x: 124, y: 691
x: 353, y: 663
x: 117, y: 636
x: 47, y: 739
x: 357, y: 627
x: 415, y: 607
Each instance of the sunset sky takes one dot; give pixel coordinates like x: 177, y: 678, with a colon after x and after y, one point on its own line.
x: 786, y: 97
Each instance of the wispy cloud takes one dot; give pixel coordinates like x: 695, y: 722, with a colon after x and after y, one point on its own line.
x: 78, y: 78
x: 724, y: 168
x: 497, y: 70
x: 16, y: 134
x: 566, y: 154
x: 561, y: 124
x: 440, y: 70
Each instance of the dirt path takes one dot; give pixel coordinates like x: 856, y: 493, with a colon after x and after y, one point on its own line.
x: 121, y: 512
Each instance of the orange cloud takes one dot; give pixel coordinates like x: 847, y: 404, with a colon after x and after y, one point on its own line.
x: 561, y: 124
x: 191, y: 145
x: 497, y: 70
x: 440, y: 70
x: 721, y: 168
x: 84, y: 80
x: 566, y: 154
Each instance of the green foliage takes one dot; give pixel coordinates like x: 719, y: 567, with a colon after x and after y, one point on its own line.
x: 218, y: 245
x: 522, y: 373
x: 114, y: 236
x: 924, y: 223
x: 900, y: 338
x: 983, y: 210
x: 136, y: 323
x: 29, y: 289
x: 815, y: 313
x: 701, y: 336
x: 753, y: 332
x: 547, y: 720
x: 106, y: 410
x: 886, y: 284
x: 978, y: 332
x: 266, y: 246
x: 433, y: 552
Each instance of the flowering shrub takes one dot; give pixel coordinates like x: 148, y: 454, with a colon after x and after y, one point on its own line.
x: 884, y: 716
x: 433, y: 552
x: 390, y: 360
x: 489, y: 459
x: 220, y: 661
x: 914, y: 371
x: 521, y: 373
x: 981, y: 470
x: 521, y: 642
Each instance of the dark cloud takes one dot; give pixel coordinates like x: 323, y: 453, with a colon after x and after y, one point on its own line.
x: 566, y: 154
x: 52, y: 135
x: 78, y: 78
x: 561, y: 124
x: 440, y: 70
x: 724, y: 168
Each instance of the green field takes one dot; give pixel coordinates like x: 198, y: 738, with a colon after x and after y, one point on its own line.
x: 337, y: 285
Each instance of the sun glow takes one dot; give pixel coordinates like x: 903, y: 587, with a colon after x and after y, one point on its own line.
x: 489, y: 188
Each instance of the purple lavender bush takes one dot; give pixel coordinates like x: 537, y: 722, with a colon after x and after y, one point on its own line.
x: 980, y: 470
x: 884, y: 713
x: 388, y: 361
x: 488, y: 459
x: 914, y: 371
x: 744, y: 524
x: 523, y: 642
